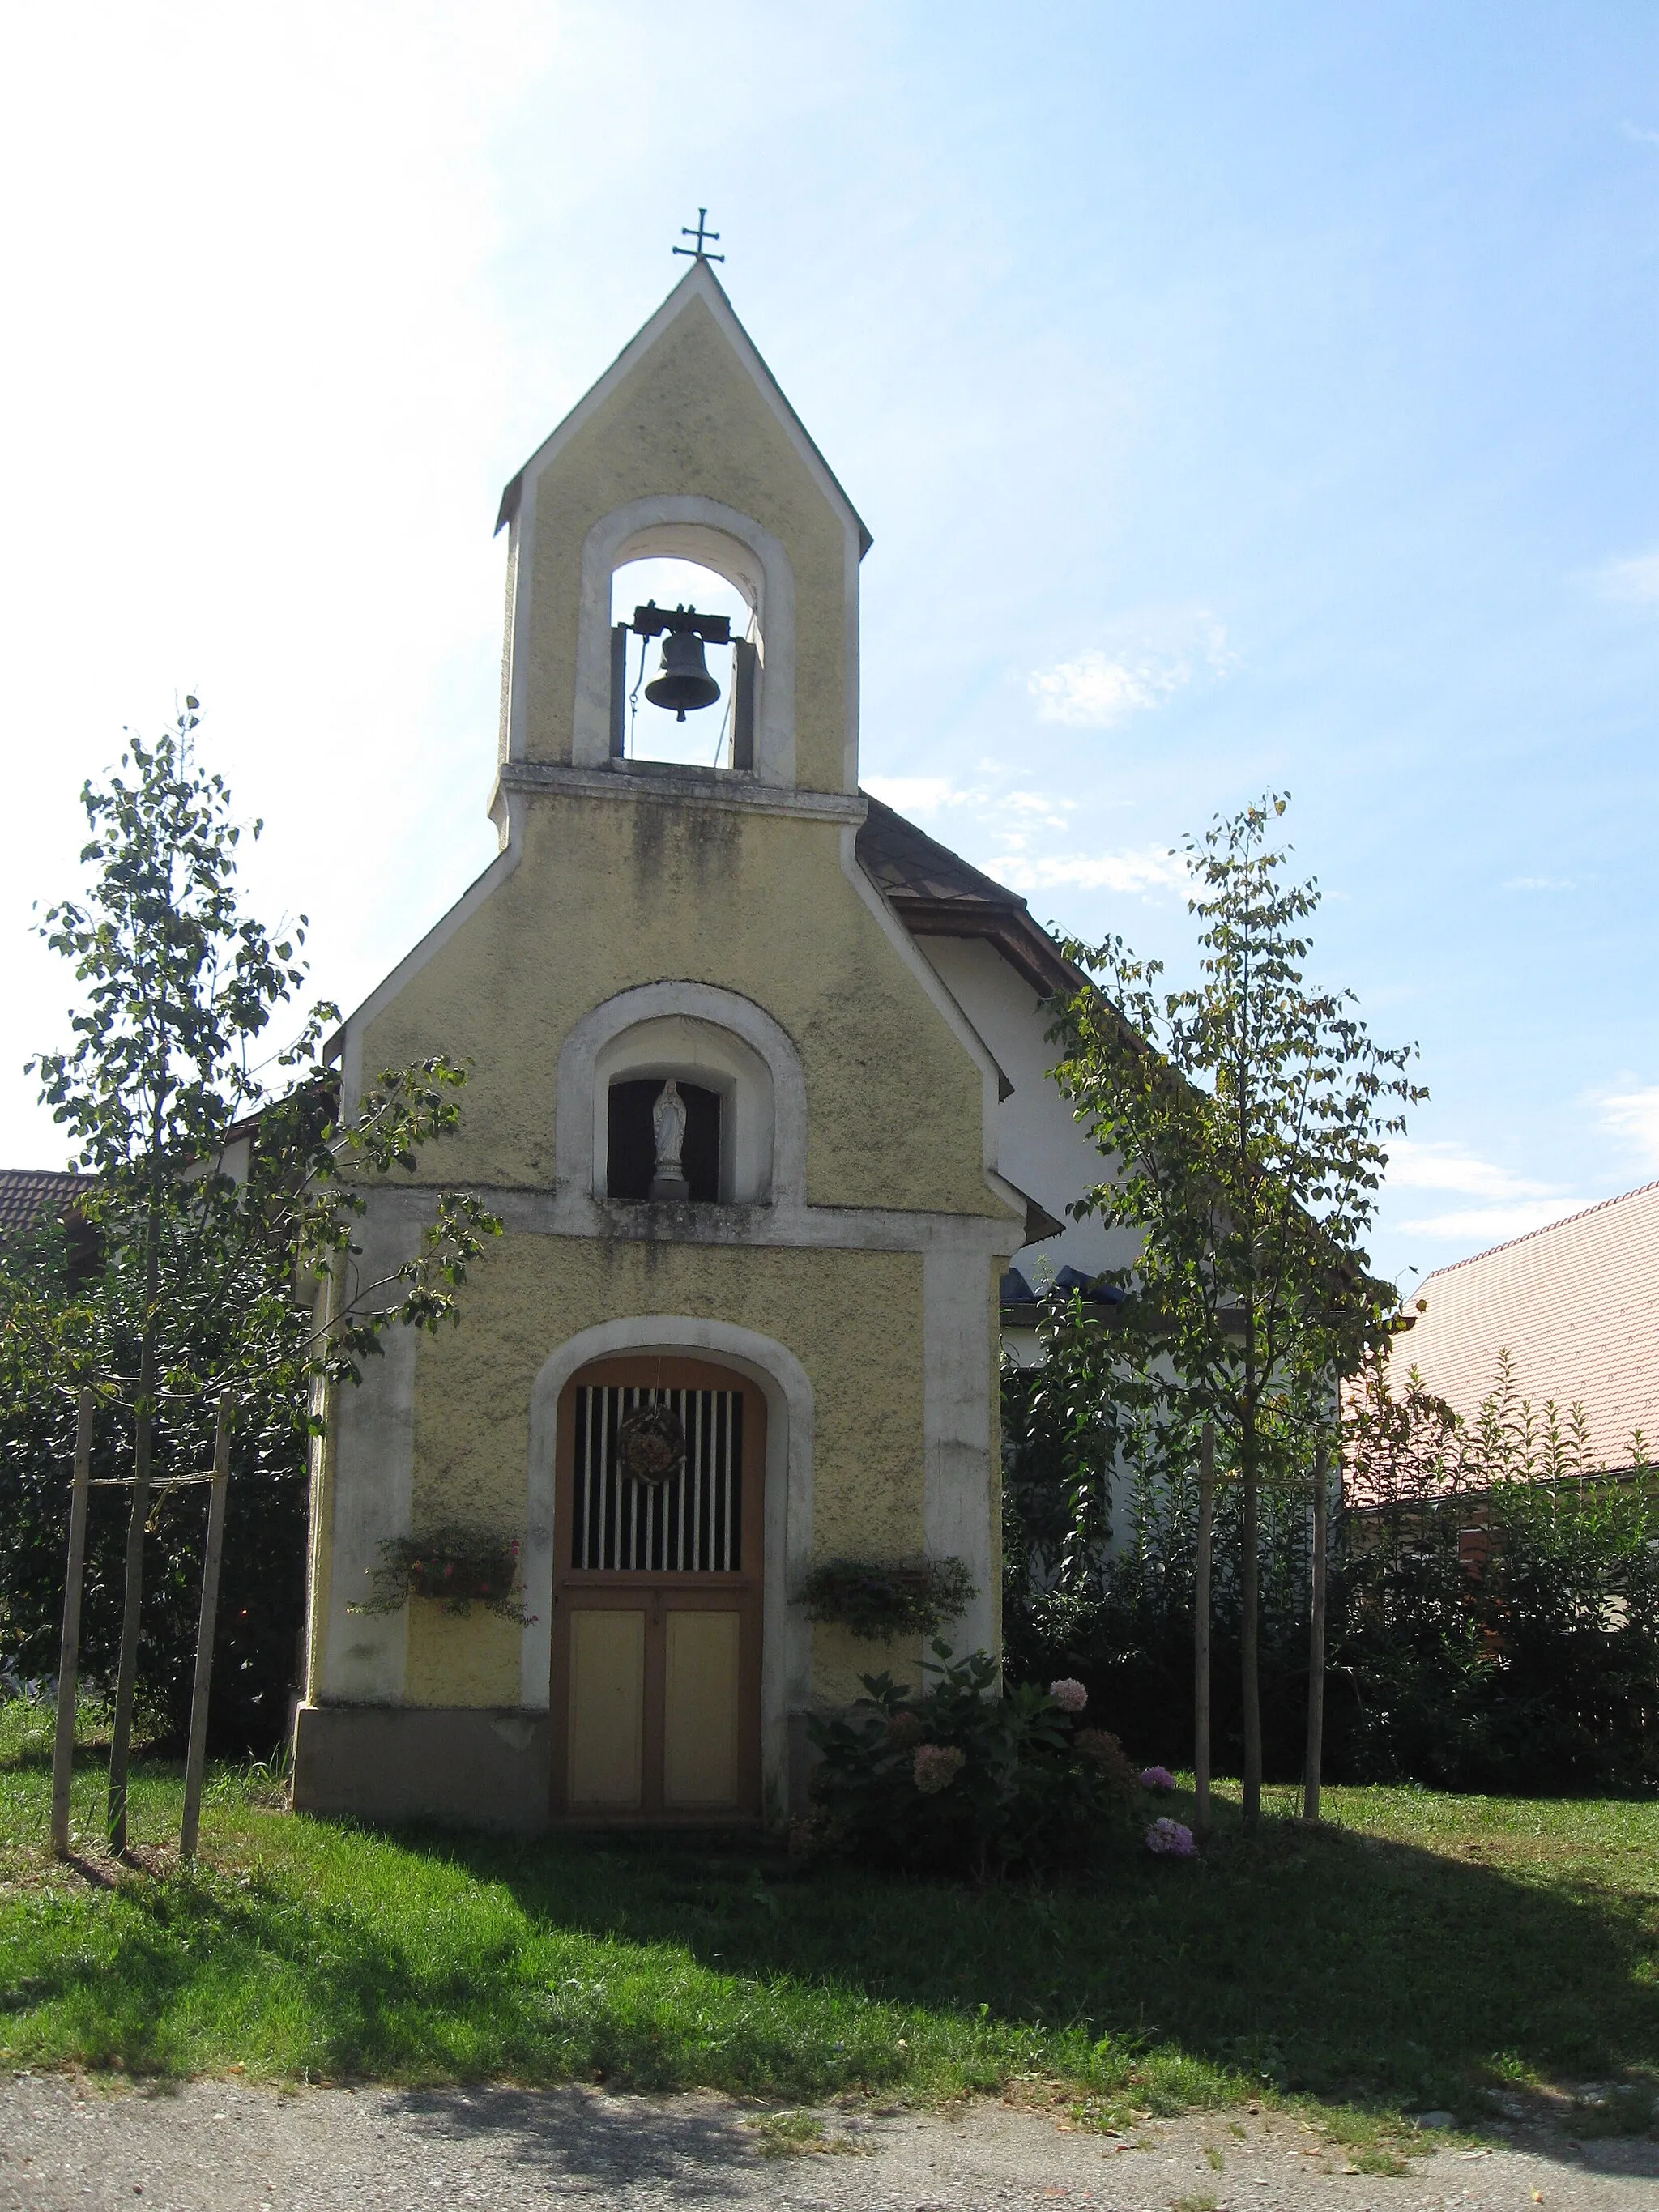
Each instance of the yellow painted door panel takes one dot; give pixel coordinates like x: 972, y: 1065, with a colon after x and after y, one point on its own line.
x: 701, y: 1709
x: 607, y: 1710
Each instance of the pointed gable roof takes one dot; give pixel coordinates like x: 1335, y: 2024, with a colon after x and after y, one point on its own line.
x: 699, y: 282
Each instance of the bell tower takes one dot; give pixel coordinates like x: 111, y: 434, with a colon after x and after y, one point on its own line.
x: 685, y: 448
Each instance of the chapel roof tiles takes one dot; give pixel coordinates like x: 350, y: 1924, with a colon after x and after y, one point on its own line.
x: 1576, y: 1306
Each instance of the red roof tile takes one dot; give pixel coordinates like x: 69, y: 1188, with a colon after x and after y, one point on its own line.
x: 1576, y: 1305
x: 27, y: 1193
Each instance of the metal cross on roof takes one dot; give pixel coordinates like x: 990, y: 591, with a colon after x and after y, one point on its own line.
x: 699, y: 251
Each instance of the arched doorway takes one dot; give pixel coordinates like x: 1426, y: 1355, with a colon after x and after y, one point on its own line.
x: 654, y: 1693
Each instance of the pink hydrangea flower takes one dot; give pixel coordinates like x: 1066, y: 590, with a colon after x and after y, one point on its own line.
x: 1069, y: 1695
x: 1169, y: 1839
x: 1157, y: 1778
x: 937, y: 1766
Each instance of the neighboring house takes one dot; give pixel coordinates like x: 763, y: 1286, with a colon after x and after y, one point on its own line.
x: 758, y: 1083
x: 28, y: 1194
x: 1575, y: 1306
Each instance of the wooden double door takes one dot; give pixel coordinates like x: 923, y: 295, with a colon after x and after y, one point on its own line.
x: 655, y: 1691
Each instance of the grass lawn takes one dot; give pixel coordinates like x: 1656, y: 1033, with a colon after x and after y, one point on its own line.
x: 1419, y: 1951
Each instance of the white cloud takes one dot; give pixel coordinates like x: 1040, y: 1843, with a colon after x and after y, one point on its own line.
x: 1477, y: 1227
x: 1040, y: 805
x: 1632, y: 583
x: 1513, y: 1204
x: 1092, y: 692
x: 1152, y: 868
x: 917, y: 794
x: 1538, y: 883
x: 1634, y: 1114
x: 1413, y: 1165
x: 1101, y: 688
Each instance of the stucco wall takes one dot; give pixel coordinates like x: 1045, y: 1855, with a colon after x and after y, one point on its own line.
x: 688, y: 420
x: 1040, y: 1146
x: 613, y: 893
x: 854, y: 1319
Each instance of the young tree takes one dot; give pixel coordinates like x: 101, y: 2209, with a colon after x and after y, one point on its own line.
x: 1245, y: 1120
x: 206, y: 1275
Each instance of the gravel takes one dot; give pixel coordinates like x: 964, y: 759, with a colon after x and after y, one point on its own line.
x: 68, y: 2141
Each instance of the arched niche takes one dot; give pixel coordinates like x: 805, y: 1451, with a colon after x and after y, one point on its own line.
x: 750, y: 558
x: 711, y: 1036
x: 713, y: 1059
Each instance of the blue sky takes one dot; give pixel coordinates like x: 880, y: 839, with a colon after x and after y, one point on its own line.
x: 1237, y: 398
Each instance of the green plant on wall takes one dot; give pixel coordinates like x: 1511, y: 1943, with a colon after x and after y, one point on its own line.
x: 879, y: 1601
x: 458, y: 1565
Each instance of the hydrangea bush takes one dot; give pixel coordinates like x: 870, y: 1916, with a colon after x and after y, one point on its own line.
x: 958, y: 1778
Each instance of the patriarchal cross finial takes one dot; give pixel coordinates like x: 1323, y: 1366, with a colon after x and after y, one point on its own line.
x: 700, y: 250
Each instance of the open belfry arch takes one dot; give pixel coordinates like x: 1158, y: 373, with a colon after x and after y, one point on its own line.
x: 745, y: 1139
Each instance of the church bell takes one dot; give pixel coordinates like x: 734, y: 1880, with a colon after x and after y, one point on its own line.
x: 682, y: 682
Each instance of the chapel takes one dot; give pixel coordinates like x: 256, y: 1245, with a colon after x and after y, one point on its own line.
x: 757, y: 1086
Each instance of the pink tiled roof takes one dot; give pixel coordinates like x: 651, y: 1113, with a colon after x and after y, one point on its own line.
x: 1576, y: 1307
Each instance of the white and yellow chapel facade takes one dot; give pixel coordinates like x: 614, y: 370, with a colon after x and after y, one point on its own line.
x: 824, y: 1032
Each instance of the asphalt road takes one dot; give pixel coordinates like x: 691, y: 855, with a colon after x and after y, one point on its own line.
x: 69, y: 2144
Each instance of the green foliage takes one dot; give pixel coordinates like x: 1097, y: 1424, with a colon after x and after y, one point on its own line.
x: 202, y: 1260
x: 458, y: 1565
x: 960, y: 1779
x: 1500, y: 1597
x: 1245, y: 1121
x: 1100, y: 1511
x: 262, y: 1590
x: 879, y: 1602
x: 1494, y: 1598
x: 216, y: 1249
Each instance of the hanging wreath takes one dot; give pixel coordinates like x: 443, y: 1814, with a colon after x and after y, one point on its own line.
x: 651, y: 1443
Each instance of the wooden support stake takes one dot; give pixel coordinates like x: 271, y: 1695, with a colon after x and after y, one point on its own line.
x: 196, y: 1756
x: 1202, y: 1631
x: 68, y: 1649
x: 1317, y: 1641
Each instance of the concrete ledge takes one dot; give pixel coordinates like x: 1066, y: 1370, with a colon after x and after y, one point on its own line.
x: 475, y: 1767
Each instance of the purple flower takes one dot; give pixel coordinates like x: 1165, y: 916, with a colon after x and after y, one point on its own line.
x: 1157, y: 1778
x: 1069, y: 1695
x: 937, y: 1767
x: 1170, y: 1840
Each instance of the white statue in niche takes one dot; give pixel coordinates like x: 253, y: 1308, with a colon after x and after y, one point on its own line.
x: 668, y: 1125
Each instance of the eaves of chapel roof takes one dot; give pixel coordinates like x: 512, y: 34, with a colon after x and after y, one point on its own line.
x: 936, y: 893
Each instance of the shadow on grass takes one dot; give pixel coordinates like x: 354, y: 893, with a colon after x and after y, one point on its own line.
x: 1322, y: 1962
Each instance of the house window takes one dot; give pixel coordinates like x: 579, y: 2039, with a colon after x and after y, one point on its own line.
x: 631, y: 1153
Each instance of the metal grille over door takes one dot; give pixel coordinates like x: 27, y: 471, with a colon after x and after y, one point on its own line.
x: 691, y: 1524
